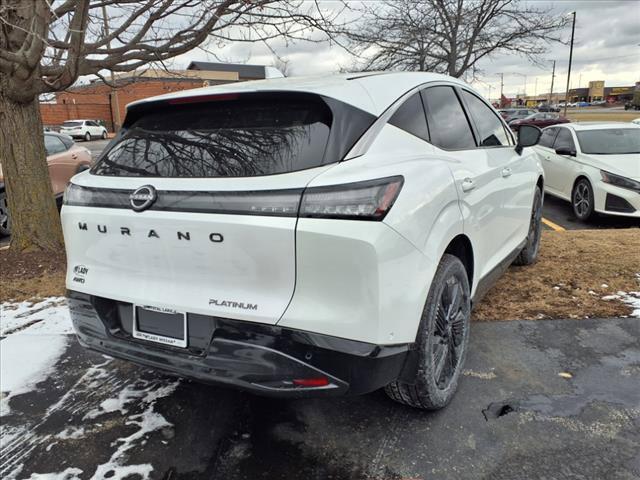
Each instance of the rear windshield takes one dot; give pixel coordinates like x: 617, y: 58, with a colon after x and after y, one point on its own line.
x: 72, y: 124
x: 246, y: 135
x: 611, y: 141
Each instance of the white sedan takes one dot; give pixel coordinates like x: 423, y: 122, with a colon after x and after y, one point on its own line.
x: 595, y: 166
x: 636, y: 121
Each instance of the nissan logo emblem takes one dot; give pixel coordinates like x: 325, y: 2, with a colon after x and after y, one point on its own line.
x: 143, y: 198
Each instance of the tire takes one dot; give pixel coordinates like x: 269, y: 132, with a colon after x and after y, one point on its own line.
x: 87, y: 137
x: 104, y: 134
x: 582, y: 199
x: 443, y: 336
x: 529, y: 254
x: 5, y: 218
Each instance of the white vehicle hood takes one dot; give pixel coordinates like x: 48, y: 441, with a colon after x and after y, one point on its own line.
x: 627, y: 165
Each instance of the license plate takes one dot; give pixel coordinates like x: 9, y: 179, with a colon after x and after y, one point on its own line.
x: 160, y: 325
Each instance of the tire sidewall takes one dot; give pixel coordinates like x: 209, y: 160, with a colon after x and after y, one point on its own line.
x: 87, y: 137
x: 449, y: 265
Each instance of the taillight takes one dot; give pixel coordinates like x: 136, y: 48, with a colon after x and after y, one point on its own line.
x: 369, y: 200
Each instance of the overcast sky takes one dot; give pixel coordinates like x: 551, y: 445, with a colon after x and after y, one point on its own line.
x: 607, y: 47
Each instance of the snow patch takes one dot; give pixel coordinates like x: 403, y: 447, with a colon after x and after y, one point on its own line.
x: 70, y: 473
x: 50, y: 316
x: 26, y: 360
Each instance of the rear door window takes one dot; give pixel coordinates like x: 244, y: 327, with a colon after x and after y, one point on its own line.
x: 411, y: 118
x: 448, y: 124
x: 53, y: 145
x: 564, y: 140
x: 547, y: 138
x: 236, y: 136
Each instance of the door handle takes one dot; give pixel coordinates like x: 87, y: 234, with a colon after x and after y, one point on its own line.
x: 468, y: 185
x: 506, y: 172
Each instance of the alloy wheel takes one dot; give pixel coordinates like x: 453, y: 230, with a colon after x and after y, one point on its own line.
x: 449, y: 333
x: 582, y: 199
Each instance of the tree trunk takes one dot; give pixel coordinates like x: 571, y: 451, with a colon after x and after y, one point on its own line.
x: 34, y: 216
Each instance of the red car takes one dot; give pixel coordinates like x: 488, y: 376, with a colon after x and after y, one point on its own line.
x: 540, y: 120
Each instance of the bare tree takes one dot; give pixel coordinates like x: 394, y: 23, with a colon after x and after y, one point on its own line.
x: 45, y: 45
x: 448, y: 36
x: 283, y: 64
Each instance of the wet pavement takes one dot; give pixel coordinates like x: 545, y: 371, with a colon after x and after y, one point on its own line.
x: 538, y: 399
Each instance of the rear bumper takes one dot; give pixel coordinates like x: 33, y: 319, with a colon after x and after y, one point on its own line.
x: 263, y: 359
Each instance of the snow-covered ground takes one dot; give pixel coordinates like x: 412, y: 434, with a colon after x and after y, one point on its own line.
x: 34, y: 339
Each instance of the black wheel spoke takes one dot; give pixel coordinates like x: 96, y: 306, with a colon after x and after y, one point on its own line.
x: 439, y: 361
x: 441, y: 320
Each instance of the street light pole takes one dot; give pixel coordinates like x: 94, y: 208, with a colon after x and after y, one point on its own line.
x: 573, y: 31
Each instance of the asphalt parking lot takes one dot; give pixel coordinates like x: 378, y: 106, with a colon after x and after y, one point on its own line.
x: 538, y: 399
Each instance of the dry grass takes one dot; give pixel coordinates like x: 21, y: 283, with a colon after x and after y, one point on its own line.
x: 31, y: 275
x: 571, y: 265
x: 596, y: 116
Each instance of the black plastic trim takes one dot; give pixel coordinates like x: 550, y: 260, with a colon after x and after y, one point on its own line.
x: 250, y: 356
x: 615, y: 203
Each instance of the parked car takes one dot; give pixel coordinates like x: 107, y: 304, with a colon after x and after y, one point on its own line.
x: 64, y: 159
x: 636, y: 121
x: 583, y: 104
x: 597, y: 103
x: 545, y: 107
x: 85, y: 129
x: 297, y: 237
x: 516, y: 113
x: 594, y: 166
x: 540, y: 119
x: 632, y: 105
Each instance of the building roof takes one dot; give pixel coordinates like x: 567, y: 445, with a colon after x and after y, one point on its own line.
x: 243, y: 70
x: 372, y: 93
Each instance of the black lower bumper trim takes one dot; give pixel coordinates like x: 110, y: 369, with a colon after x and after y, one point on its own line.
x: 264, y: 359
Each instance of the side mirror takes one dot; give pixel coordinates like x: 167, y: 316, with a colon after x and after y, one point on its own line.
x: 528, y: 136
x: 566, y: 151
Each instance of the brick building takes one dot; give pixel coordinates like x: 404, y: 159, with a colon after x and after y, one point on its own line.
x: 99, y: 101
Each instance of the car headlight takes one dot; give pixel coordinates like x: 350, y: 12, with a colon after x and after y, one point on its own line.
x: 619, y: 181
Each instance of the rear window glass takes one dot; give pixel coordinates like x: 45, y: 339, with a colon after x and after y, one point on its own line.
x: 72, y: 124
x: 244, y: 136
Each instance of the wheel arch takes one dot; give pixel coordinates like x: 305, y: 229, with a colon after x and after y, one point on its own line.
x: 460, y: 246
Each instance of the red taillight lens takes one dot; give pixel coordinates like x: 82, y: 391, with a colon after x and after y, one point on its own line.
x: 369, y: 200
x: 311, y: 382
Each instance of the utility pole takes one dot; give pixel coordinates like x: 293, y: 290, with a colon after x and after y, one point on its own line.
x: 501, y: 88
x: 535, y: 88
x: 573, y: 31
x: 553, y: 76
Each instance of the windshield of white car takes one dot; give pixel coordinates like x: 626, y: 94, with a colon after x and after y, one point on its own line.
x: 72, y: 124
x: 612, y: 141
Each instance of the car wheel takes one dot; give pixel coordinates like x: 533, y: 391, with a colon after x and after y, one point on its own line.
x: 441, y: 342
x: 87, y: 137
x: 5, y: 218
x: 104, y: 134
x: 582, y: 199
x: 529, y: 254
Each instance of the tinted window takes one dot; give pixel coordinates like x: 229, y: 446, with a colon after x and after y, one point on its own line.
x: 610, y: 141
x: 449, y: 127
x: 53, y: 145
x: 68, y: 141
x: 564, y: 140
x: 547, y: 137
x: 490, y: 129
x: 248, y: 135
x: 410, y: 117
x: 72, y: 124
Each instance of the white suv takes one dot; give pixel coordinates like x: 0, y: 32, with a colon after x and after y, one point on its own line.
x: 85, y: 129
x: 302, y: 236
